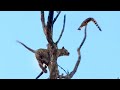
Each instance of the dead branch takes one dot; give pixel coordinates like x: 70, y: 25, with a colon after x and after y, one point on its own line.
x: 43, y: 19
x: 79, y: 55
x: 46, y: 30
x: 83, y: 38
x: 62, y: 30
x: 49, y: 28
x: 43, y: 22
x: 69, y: 76
x: 50, y: 19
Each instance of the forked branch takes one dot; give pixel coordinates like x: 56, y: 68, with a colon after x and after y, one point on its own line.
x: 69, y: 76
x: 79, y: 55
x: 56, y: 17
x: 58, y: 13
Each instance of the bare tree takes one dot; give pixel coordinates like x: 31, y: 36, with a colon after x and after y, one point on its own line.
x: 51, y: 54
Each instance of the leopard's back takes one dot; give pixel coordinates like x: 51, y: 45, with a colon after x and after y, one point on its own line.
x: 42, y: 54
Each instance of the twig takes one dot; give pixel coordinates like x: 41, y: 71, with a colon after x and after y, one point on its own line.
x: 62, y: 69
x: 39, y: 74
x: 62, y: 30
x: 56, y: 17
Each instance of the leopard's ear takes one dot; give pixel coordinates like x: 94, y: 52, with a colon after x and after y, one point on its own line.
x: 63, y: 47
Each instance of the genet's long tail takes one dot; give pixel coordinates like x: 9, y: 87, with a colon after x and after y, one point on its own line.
x: 26, y: 46
x: 96, y: 24
x: 86, y: 21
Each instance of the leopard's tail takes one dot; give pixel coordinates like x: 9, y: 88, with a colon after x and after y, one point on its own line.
x: 26, y: 46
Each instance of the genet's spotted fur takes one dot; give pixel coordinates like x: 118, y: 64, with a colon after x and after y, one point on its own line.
x: 86, y: 21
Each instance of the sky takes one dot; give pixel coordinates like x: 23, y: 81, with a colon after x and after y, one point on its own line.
x: 100, y: 52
